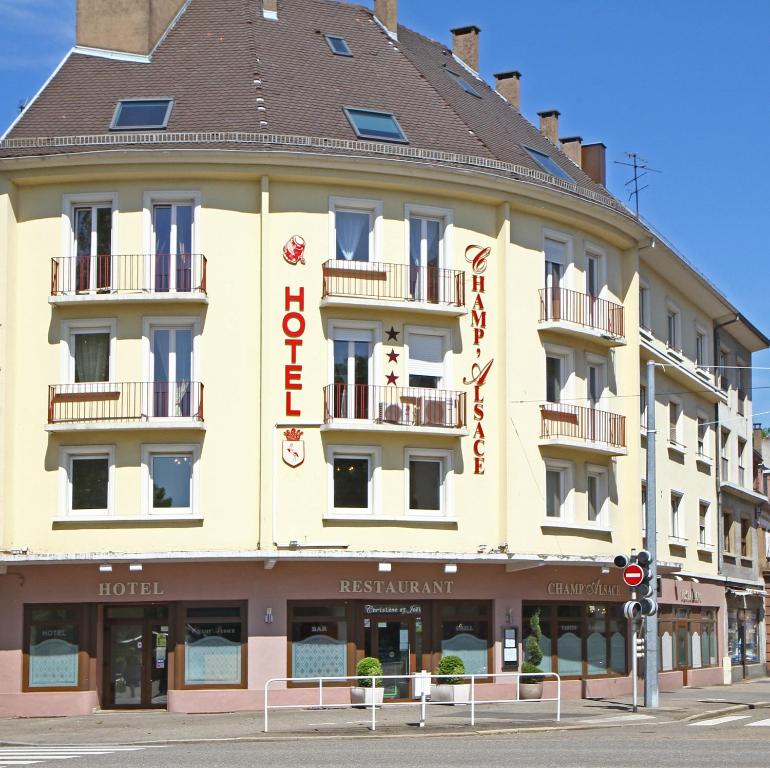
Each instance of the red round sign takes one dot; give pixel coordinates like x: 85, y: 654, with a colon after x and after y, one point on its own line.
x: 633, y: 575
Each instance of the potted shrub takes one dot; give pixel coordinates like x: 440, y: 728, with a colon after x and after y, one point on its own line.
x: 451, y: 690
x: 364, y: 693
x: 531, y: 687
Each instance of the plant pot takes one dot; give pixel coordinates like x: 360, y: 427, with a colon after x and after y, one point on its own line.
x: 530, y: 691
x: 366, y: 696
x: 451, y: 694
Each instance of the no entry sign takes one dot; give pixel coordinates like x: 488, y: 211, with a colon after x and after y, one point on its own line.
x: 633, y: 575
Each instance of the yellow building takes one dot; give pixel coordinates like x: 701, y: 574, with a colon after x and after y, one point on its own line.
x: 342, y: 357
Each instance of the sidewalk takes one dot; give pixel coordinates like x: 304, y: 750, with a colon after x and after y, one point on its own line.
x: 159, y: 727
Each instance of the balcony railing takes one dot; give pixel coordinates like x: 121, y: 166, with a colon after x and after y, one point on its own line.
x: 398, y: 406
x: 561, y: 304
x: 579, y: 423
x: 128, y: 273
x: 394, y: 282
x: 141, y: 401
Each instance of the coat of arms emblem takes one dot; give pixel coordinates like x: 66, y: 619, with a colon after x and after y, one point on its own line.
x: 293, y: 447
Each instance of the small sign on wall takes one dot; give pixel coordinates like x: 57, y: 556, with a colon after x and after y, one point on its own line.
x: 510, y: 646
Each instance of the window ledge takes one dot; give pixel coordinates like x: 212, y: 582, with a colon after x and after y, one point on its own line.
x: 677, y: 448
x: 556, y: 523
x: 674, y: 354
x: 405, y: 519
x: 707, y: 461
x: 705, y: 547
x: 102, y: 519
x: 646, y: 332
x: 677, y: 541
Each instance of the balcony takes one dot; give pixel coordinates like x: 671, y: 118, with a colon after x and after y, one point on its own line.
x: 572, y: 426
x: 128, y: 278
x: 397, y: 286
x: 125, y: 405
x: 582, y: 315
x: 369, y: 408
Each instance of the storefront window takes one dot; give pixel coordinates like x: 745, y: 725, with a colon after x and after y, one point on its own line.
x: 54, y: 633
x: 590, y: 640
x: 319, y: 641
x: 213, y: 645
x: 687, y: 638
x: 465, y: 633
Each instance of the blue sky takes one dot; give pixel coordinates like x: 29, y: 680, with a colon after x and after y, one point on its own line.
x: 682, y: 83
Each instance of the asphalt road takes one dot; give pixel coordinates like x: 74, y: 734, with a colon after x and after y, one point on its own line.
x: 742, y: 739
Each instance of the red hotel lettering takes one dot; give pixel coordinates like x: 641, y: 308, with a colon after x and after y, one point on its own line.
x: 293, y: 328
x: 477, y: 257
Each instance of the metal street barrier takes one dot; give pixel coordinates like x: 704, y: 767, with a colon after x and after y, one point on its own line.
x: 421, y: 687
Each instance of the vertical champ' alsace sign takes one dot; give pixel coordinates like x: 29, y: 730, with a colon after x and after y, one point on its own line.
x: 477, y: 256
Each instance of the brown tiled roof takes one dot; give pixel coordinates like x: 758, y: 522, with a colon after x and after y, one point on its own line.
x: 228, y: 70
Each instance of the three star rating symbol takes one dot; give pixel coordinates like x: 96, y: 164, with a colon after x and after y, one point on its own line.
x: 391, y: 378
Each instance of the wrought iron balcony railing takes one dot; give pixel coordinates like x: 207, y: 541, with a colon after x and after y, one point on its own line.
x: 401, y: 406
x: 141, y: 401
x: 393, y: 282
x: 587, y: 424
x: 562, y: 304
x: 128, y: 273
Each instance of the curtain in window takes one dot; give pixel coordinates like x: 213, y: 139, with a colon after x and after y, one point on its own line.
x: 92, y: 357
x: 352, y: 235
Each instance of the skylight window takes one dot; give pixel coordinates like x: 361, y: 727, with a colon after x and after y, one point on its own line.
x: 132, y: 114
x: 548, y: 164
x: 465, y: 85
x: 369, y: 124
x: 338, y: 45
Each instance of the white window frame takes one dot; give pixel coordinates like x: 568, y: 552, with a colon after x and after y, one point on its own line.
x: 567, y: 479
x: 700, y: 330
x: 373, y: 327
x: 594, y: 251
x: 445, y: 216
x: 603, y: 486
x: 725, y: 439
x: 66, y: 454
x: 708, y: 543
x: 643, y: 408
x: 167, y: 197
x: 70, y: 202
x: 707, y: 440
x: 70, y: 329
x: 677, y: 444
x: 645, y: 308
x: 677, y: 524
x: 446, y: 335
x: 603, y: 364
x: 374, y: 454
x: 568, y: 276
x: 673, y: 308
x: 643, y: 504
x: 446, y: 458
x: 148, y: 451
x: 359, y: 205
x: 723, y: 370
x: 569, y: 375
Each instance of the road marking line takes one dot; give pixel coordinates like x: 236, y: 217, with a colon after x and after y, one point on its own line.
x: 720, y: 720
x: 760, y: 723
x: 618, y: 718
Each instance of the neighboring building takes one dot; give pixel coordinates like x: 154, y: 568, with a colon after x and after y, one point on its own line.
x: 761, y: 444
x: 391, y: 411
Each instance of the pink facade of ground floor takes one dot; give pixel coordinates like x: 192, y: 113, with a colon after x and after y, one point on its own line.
x: 267, y: 610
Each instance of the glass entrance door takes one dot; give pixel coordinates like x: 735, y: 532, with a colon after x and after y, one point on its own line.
x: 172, y: 362
x: 136, y: 643
x: 397, y: 642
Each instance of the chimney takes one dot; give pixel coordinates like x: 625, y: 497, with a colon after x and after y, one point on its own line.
x: 572, y: 148
x: 386, y: 12
x: 549, y: 124
x: 594, y: 163
x: 508, y: 85
x: 465, y: 45
x: 270, y: 9
x: 129, y: 26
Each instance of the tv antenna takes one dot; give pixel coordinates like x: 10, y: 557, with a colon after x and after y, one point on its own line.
x: 641, y: 169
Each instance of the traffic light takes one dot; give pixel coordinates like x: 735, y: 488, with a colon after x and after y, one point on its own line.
x: 621, y: 561
x: 645, y: 604
x: 632, y: 609
x: 639, y: 646
x: 646, y: 589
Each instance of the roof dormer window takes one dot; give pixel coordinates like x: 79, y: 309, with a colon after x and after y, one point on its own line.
x: 145, y: 114
x: 339, y: 46
x: 548, y: 164
x: 369, y: 124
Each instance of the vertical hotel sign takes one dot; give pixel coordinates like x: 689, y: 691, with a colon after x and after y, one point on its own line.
x: 293, y: 328
x: 477, y: 256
